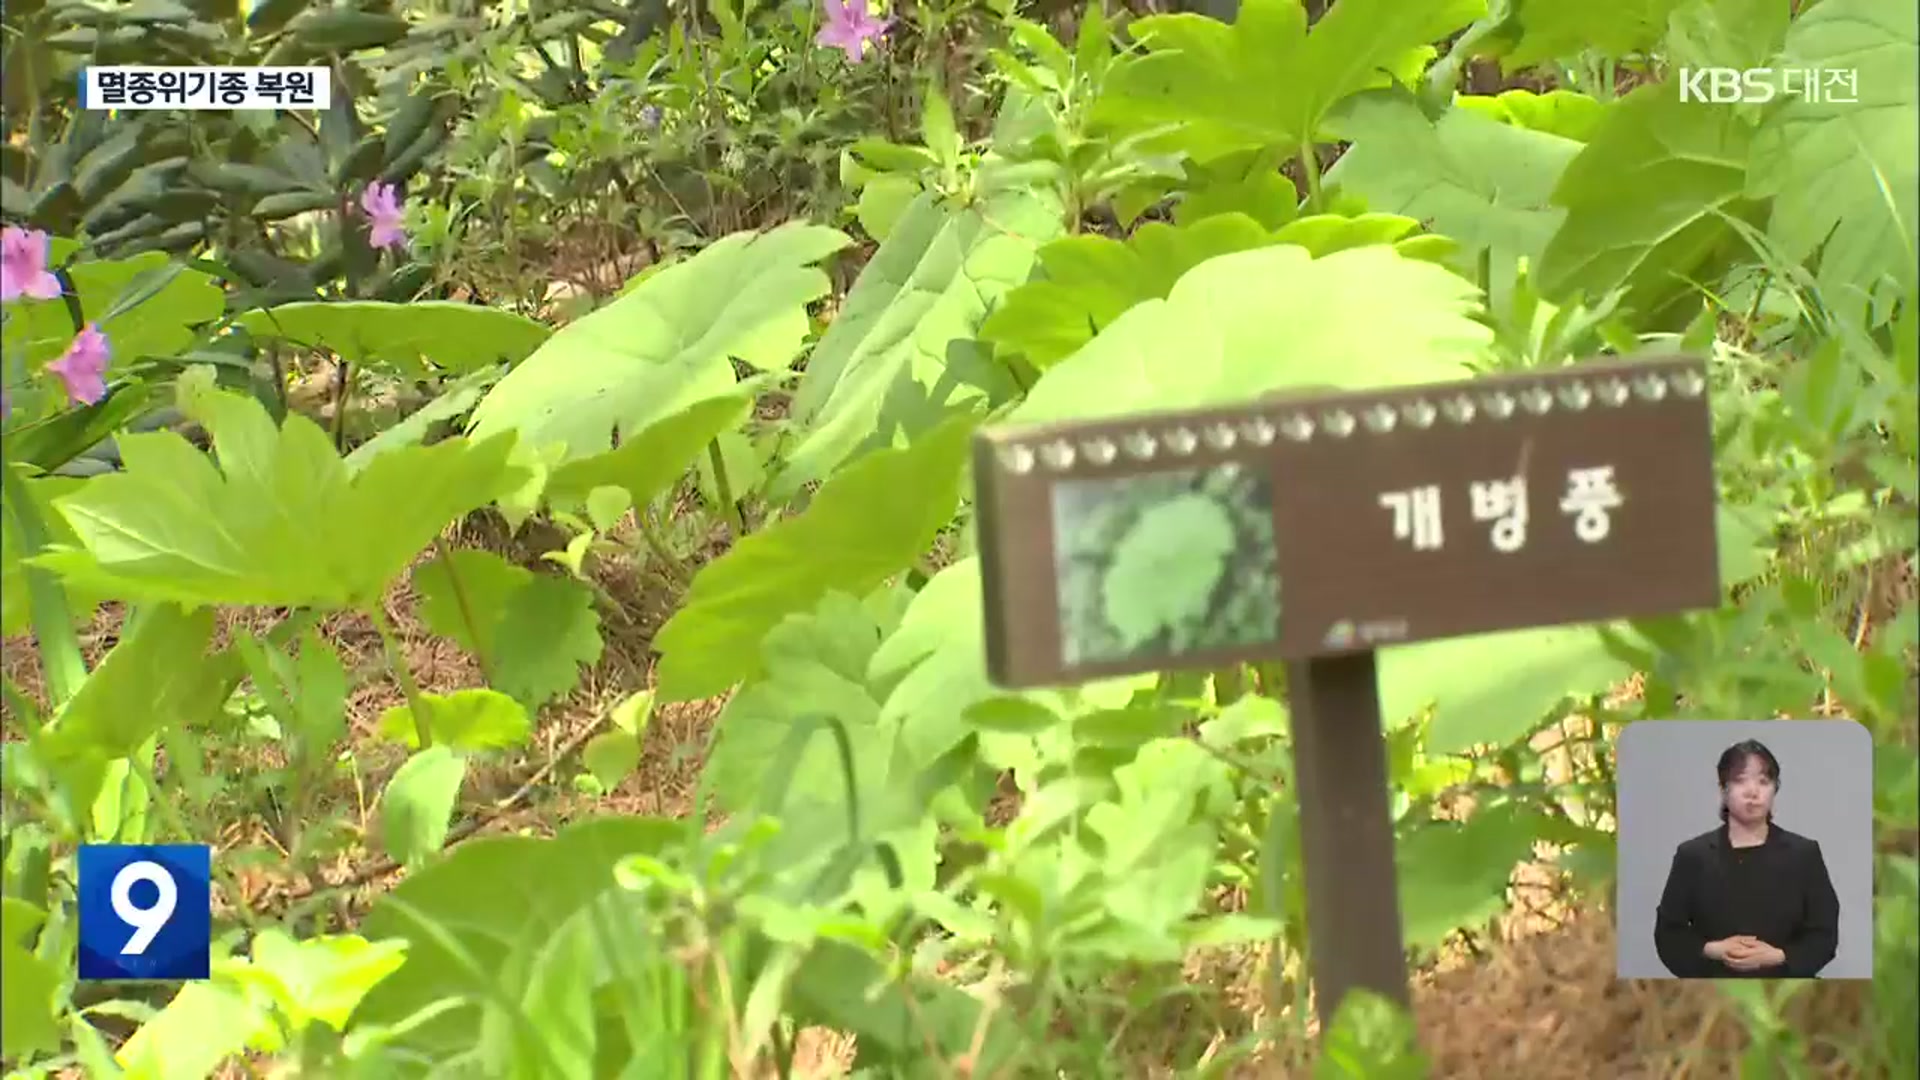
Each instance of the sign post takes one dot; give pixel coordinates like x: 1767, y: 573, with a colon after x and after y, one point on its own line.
x: 1316, y: 529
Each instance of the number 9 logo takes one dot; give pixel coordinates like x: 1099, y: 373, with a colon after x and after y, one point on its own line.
x: 147, y: 922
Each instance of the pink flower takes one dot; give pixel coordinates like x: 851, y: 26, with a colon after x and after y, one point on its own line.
x: 384, y: 210
x: 82, y: 368
x: 23, y: 265
x: 849, y: 28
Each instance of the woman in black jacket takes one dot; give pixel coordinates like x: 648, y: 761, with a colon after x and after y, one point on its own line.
x: 1748, y: 900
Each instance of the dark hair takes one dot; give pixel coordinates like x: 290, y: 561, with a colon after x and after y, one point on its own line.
x: 1735, y: 757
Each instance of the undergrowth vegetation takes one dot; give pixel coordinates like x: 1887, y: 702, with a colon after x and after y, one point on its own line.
x: 692, y: 311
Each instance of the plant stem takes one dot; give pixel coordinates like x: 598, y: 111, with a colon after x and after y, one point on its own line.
x: 466, y: 608
x: 397, y: 663
x: 723, y: 490
x: 1310, y: 170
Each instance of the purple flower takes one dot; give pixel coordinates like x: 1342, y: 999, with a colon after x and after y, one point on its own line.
x: 23, y: 265
x: 849, y: 28
x: 384, y: 211
x: 83, y: 367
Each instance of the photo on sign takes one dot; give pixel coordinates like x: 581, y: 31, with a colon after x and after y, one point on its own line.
x: 1745, y: 850
x: 1165, y: 564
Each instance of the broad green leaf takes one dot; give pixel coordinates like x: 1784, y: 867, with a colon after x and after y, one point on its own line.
x: 1092, y: 280
x: 1011, y: 716
x: 493, y: 895
x: 280, y: 522
x: 16, y: 612
x: 204, y: 1025
x: 158, y: 675
x: 32, y: 985
x: 414, y: 337
x: 321, y: 979
x: 930, y: 284
x: 1485, y: 184
x: 546, y: 635
x: 161, y: 325
x: 935, y: 664
x: 1491, y: 689
x: 1551, y: 29
x: 1454, y: 875
x: 453, y: 400
x: 866, y: 523
x: 666, y: 343
x: 462, y: 593
x: 1726, y: 33
x: 1844, y: 174
x: 476, y: 719
x: 611, y: 756
x: 606, y: 506
x: 884, y: 202
x: 650, y: 462
x: 1267, y: 320
x: 1565, y: 113
x: 741, y: 461
x: 1264, y: 80
x: 814, y: 666
x: 416, y: 810
x: 1645, y: 199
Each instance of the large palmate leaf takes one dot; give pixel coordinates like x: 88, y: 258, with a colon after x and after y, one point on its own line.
x: 666, y: 343
x: 1845, y: 176
x: 1264, y: 80
x: 146, y: 305
x: 1647, y: 199
x: 935, y: 663
x: 1540, y: 31
x: 532, y: 633
x: 1486, y: 184
x: 1272, y: 319
x: 867, y: 522
x: 815, y: 667
x: 1090, y: 281
x: 445, y: 334
x: 281, y: 521
x: 930, y: 284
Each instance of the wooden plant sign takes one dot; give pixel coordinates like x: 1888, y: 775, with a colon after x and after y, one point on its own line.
x: 1317, y: 528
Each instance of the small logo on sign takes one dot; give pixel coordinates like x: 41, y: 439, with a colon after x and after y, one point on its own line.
x: 1341, y: 636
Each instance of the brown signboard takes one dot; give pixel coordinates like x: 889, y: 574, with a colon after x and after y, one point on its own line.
x: 1342, y: 522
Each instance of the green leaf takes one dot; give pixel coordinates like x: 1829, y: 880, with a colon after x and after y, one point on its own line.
x: 610, y: 756
x: 1454, y: 875
x: 1011, y: 716
x: 935, y: 663
x: 1092, y: 280
x: 16, y: 612
x: 446, y: 334
x: 547, y: 633
x: 1486, y: 184
x: 667, y: 343
x: 1726, y: 33
x: 452, y: 400
x: 467, y: 720
x: 1492, y: 689
x: 1264, y: 80
x: 162, y: 324
x: 320, y: 980
x: 204, y: 1025
x: 607, y: 505
x: 1645, y: 199
x: 1550, y: 29
x: 493, y: 895
x: 280, y: 523
x: 1565, y: 113
x: 1272, y: 319
x: 651, y: 461
x: 930, y: 284
x: 814, y: 665
x: 866, y: 523
x: 1844, y: 175
x: 416, y: 810
x: 531, y: 632
x: 33, y: 986
x: 884, y: 203
x: 158, y: 675
x: 744, y: 470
